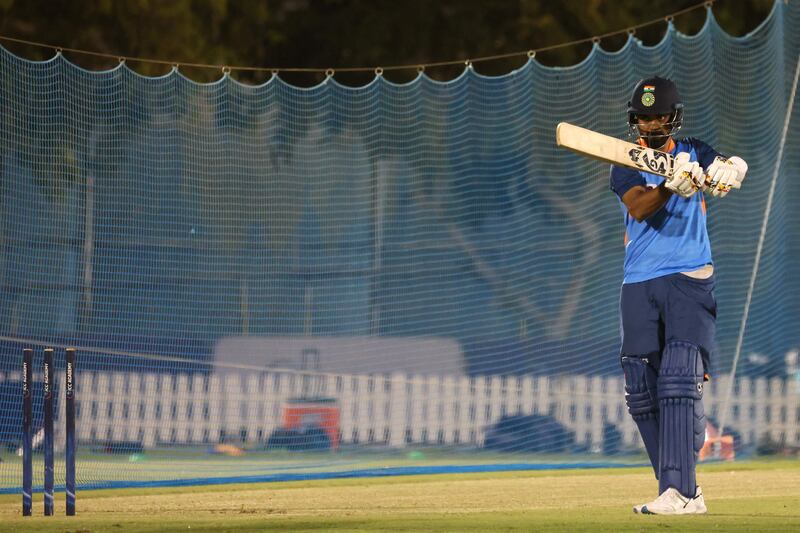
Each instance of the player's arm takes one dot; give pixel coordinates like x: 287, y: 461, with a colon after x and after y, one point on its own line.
x: 642, y: 202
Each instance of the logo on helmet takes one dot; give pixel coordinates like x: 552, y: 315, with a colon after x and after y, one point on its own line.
x: 648, y: 99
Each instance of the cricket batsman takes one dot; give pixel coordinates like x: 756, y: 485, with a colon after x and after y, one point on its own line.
x: 667, y: 305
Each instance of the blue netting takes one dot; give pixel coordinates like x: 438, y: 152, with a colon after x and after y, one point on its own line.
x: 398, y: 231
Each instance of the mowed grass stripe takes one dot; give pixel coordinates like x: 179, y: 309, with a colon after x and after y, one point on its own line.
x: 756, y: 496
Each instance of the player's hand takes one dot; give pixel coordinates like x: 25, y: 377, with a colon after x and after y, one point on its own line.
x: 687, y: 177
x: 724, y: 175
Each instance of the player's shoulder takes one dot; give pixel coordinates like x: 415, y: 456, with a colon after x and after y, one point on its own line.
x: 618, y: 172
x: 622, y: 179
x: 704, y: 153
x: 684, y: 143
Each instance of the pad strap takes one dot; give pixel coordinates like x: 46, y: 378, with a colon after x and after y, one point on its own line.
x: 641, y: 384
x: 681, y: 372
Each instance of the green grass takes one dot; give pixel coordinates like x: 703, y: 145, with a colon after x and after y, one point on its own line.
x: 186, y: 463
x: 748, y: 496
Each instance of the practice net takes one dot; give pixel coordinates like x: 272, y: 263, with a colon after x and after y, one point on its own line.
x: 273, y: 282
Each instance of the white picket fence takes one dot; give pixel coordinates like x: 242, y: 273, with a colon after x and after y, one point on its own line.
x: 394, y: 410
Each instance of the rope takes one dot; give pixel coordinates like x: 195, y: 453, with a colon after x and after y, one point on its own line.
x: 328, y: 71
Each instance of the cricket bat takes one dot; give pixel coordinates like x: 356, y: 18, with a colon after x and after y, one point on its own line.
x: 616, y: 151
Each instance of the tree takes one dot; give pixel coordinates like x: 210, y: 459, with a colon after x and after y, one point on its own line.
x: 340, y: 33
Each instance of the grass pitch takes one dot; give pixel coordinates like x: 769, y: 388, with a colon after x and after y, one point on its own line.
x: 749, y: 496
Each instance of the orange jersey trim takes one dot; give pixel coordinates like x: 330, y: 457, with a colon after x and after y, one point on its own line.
x: 670, y: 145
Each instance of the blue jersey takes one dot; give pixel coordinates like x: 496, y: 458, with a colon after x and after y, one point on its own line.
x: 673, y: 239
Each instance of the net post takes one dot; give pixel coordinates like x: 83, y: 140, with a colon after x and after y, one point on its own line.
x: 27, y: 411
x: 69, y: 411
x: 49, y: 468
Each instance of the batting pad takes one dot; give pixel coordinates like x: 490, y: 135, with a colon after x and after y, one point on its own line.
x: 640, y: 395
x: 682, y: 419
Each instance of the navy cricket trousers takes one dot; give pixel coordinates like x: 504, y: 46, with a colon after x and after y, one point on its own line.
x: 672, y: 307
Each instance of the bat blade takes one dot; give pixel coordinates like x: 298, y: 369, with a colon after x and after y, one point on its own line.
x: 612, y: 150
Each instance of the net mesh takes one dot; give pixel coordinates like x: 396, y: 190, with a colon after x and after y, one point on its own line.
x: 276, y: 282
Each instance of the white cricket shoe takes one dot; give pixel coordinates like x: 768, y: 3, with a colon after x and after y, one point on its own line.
x: 673, y: 502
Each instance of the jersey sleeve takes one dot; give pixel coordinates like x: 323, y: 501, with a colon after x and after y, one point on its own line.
x: 624, y: 179
x: 705, y: 154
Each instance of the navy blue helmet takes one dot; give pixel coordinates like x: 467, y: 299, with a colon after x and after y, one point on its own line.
x: 655, y: 96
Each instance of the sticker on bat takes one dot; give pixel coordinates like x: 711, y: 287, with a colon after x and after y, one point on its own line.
x: 649, y: 160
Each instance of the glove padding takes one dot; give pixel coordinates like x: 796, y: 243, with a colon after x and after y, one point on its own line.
x: 687, y: 177
x: 725, y: 174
